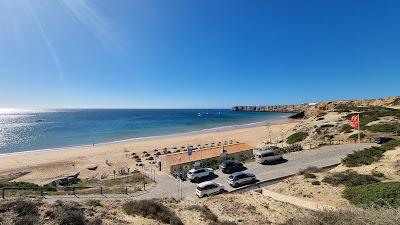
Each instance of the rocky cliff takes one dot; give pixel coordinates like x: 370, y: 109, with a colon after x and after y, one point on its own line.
x: 273, y: 108
x: 314, y: 109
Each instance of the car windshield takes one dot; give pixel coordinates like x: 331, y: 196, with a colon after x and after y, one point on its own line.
x: 200, y: 188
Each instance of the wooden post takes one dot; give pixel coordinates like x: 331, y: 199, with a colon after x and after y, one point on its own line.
x: 126, y: 190
x: 101, y: 190
x: 41, y: 191
x: 144, y: 184
x: 3, y: 193
x: 73, y: 191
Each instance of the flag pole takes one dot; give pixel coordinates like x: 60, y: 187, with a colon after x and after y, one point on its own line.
x: 359, y: 136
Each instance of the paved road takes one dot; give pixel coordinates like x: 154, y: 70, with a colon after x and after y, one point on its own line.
x: 167, y: 186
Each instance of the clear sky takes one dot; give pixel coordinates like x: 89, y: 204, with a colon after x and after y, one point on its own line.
x: 196, y: 54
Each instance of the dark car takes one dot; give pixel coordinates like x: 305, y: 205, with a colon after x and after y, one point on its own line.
x: 382, y: 140
x: 231, y: 166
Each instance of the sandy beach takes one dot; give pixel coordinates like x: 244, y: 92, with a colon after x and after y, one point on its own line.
x: 45, y: 166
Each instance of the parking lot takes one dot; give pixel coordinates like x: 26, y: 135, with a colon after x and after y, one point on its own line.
x: 294, y: 162
x: 168, y: 187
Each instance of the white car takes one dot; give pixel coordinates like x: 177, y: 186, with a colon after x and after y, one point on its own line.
x: 240, y: 178
x: 209, y: 188
x: 196, y: 174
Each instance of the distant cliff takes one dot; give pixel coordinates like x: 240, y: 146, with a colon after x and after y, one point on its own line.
x: 309, y: 110
x: 273, y: 108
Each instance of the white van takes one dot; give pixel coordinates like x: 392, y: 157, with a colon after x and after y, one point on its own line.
x: 266, y: 156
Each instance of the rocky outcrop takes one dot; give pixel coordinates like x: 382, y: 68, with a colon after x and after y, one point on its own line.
x: 273, y: 108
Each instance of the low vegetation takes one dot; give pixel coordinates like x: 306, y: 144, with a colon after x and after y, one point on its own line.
x: 309, y: 172
x: 296, y: 137
x: 349, y: 179
x: 385, y: 128
x: 18, y: 184
x: 369, y: 155
x: 208, y: 215
x: 355, y: 136
x: 346, y: 128
x: 27, y: 212
x: 385, y: 194
x: 348, y: 216
x: 290, y: 148
x: 152, y: 209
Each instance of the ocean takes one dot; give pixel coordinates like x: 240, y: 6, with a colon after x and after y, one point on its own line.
x: 26, y: 130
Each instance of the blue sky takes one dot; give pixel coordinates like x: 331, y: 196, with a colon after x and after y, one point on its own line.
x: 196, y: 54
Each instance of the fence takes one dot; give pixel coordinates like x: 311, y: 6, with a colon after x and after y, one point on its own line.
x: 84, y: 190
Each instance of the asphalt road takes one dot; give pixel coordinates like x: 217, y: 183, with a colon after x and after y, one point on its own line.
x: 167, y: 186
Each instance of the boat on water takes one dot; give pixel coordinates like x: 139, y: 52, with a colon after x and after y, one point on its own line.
x: 198, y: 114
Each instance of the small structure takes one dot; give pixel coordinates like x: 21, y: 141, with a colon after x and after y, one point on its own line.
x: 66, y: 180
x: 182, y: 161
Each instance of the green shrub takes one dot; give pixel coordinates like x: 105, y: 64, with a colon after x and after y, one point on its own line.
x: 349, y: 179
x: 385, y: 128
x: 153, y: 210
x: 377, y: 174
x: 390, y: 145
x: 355, y: 136
x: 316, y: 182
x: 18, y: 184
x: 346, y: 128
x: 363, y: 157
x: 386, y: 194
x: 290, y: 148
x: 296, y: 137
x: 309, y: 175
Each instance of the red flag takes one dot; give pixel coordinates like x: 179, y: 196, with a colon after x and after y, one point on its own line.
x: 355, y: 121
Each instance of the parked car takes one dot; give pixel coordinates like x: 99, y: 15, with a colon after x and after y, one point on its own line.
x: 197, y: 174
x: 382, y: 140
x: 231, y: 166
x: 208, y: 188
x: 267, y: 156
x: 240, y: 178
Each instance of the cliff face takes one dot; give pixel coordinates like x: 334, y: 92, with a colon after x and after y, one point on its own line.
x: 315, y: 109
x: 273, y: 108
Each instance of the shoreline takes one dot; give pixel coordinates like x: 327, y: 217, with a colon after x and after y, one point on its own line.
x: 44, y: 166
x: 155, y: 137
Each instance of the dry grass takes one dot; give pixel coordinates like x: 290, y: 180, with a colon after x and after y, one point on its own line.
x: 348, y: 216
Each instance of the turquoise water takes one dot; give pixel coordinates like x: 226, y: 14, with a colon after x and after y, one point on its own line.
x: 33, y: 130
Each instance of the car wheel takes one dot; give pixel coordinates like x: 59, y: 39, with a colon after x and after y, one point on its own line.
x: 195, y: 179
x: 205, y: 196
x: 235, y: 185
x: 253, y: 180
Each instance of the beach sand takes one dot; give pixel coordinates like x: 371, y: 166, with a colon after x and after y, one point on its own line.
x: 45, y: 166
